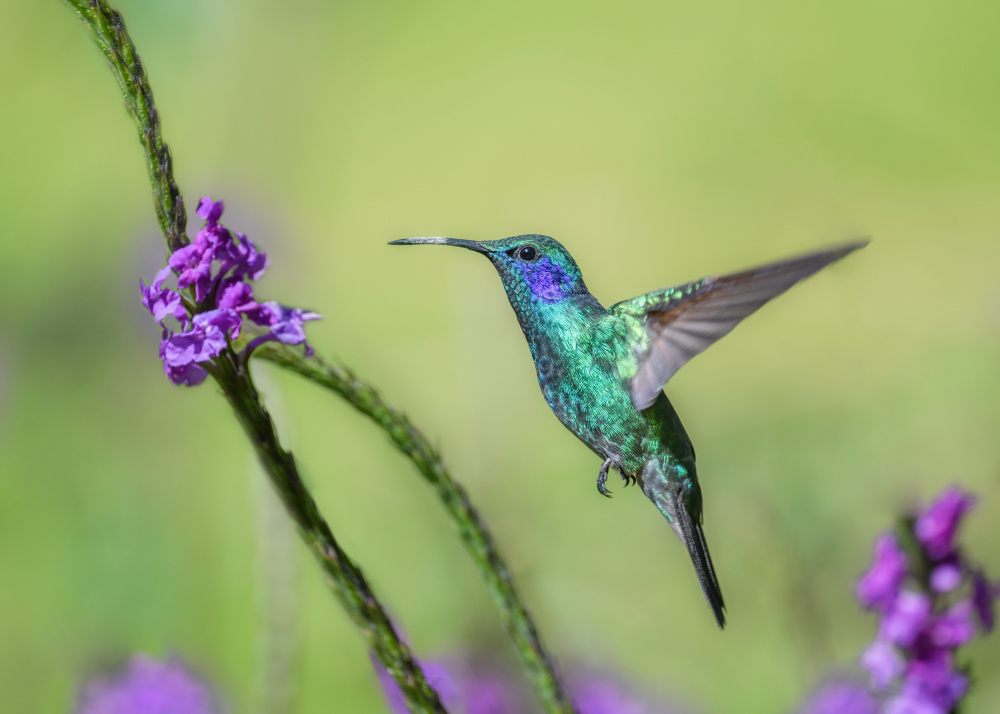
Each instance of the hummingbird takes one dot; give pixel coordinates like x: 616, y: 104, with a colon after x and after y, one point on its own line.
x: 602, y: 370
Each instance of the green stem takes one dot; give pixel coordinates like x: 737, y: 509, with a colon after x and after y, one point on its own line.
x: 473, y: 531
x: 344, y: 577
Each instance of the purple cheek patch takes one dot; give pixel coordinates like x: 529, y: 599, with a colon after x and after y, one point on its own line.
x: 547, y: 281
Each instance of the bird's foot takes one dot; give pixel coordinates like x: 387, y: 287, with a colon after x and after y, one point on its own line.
x: 626, y: 478
x: 602, y: 477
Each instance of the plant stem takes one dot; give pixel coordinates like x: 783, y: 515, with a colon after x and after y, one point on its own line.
x: 344, y: 577
x: 473, y: 531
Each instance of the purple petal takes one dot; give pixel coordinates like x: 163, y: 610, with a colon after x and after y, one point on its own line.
x: 879, y: 586
x: 209, y: 210
x: 193, y: 267
x: 251, y: 263
x: 935, y: 527
x: 286, y: 322
x: 883, y: 663
x: 912, y: 704
x: 947, y: 576
x: 195, y: 346
x: 146, y: 686
x: 161, y: 276
x: 205, y: 340
x: 983, y: 595
x: 187, y: 257
x: 933, y: 682
x: 222, y: 319
x: 906, y: 618
x: 237, y: 296
x: 954, y: 628
x: 190, y: 375
x: 161, y: 302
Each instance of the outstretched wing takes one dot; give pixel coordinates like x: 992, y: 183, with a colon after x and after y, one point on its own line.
x: 682, y: 322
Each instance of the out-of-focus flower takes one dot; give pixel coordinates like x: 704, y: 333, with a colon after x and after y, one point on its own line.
x: 840, y: 696
x: 929, y: 599
x: 924, y: 622
x: 906, y: 618
x: 148, y: 686
x: 606, y: 696
x: 879, y: 587
x: 983, y: 595
x: 936, y: 526
x: 217, y: 264
x: 883, y: 663
x: 465, y: 688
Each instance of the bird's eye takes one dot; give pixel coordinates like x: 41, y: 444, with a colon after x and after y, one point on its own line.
x: 526, y: 253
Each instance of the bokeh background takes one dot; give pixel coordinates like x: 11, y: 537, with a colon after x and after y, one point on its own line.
x: 660, y: 142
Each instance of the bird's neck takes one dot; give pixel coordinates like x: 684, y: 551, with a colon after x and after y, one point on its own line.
x: 556, y: 326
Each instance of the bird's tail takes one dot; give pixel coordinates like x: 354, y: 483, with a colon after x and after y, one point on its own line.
x: 669, y: 497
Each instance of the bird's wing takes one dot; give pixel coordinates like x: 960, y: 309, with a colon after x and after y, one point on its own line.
x: 682, y: 322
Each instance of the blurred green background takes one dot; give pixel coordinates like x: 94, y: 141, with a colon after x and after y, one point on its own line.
x: 660, y: 142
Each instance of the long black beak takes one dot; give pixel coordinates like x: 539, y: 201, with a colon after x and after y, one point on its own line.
x: 469, y: 244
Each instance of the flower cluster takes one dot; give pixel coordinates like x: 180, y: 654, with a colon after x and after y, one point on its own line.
x: 147, y: 686
x: 218, y: 266
x: 929, y: 598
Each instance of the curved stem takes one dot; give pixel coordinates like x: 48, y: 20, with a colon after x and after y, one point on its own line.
x: 343, y: 575
x: 473, y: 531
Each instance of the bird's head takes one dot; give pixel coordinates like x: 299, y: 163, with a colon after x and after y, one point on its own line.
x: 533, y: 268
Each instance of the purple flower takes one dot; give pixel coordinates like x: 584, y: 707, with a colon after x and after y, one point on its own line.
x: 879, y: 587
x: 883, y: 663
x: 840, y: 697
x: 193, y: 266
x: 954, y: 628
x: 286, y: 323
x: 932, y: 682
x: 210, y: 211
x: 911, y: 704
x: 935, y: 527
x: 237, y: 295
x: 947, y: 574
x: 248, y: 261
x: 206, y: 338
x: 906, y: 618
x: 146, y: 686
x: 160, y: 301
x: 921, y: 631
x: 217, y: 266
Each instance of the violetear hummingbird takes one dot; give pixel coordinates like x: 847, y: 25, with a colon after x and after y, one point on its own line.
x: 602, y: 370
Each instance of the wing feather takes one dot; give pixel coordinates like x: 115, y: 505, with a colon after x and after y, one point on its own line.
x: 682, y: 322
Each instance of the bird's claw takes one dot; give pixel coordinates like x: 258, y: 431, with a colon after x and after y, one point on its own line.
x: 602, y: 477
